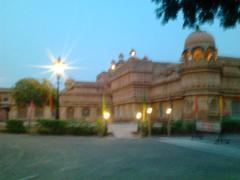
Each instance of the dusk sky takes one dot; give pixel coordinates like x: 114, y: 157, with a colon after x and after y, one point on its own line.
x: 95, y: 31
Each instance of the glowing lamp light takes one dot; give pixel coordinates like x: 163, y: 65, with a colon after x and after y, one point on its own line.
x: 133, y: 53
x: 138, y: 115
x: 59, y: 67
x: 169, y: 111
x: 106, y: 115
x: 149, y: 110
x: 113, y: 67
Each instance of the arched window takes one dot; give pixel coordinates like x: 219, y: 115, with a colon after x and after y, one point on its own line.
x: 209, y: 54
x: 186, y: 56
x: 213, y: 106
x: 198, y: 54
x: 22, y: 112
x: 86, y: 112
x: 70, y: 113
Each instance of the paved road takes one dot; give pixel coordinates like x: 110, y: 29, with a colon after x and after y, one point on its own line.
x: 25, y: 157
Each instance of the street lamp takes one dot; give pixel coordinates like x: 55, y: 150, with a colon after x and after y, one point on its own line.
x: 113, y: 67
x: 106, y: 115
x: 138, y: 115
x: 168, y: 112
x: 149, y: 112
x: 58, y: 69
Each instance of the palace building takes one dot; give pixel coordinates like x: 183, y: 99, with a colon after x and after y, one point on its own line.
x: 202, y: 85
x: 5, y: 103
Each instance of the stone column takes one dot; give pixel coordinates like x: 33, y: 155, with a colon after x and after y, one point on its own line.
x: 78, y: 113
x: 93, y: 113
x: 47, y: 114
x: 63, y: 113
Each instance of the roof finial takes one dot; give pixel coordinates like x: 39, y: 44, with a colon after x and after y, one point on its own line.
x: 197, y: 28
x: 121, y: 56
x: 132, y: 52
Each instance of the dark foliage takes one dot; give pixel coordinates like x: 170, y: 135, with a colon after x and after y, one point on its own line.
x: 101, y: 127
x: 68, y: 127
x: 197, y: 12
x: 177, y: 127
x: 81, y: 128
x: 32, y: 90
x: 15, y: 126
x: 230, y: 125
x: 52, y: 127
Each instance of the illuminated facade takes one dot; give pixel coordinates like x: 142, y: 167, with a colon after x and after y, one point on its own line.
x: 203, y: 86
x: 5, y: 103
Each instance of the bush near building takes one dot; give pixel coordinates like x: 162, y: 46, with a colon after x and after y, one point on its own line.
x: 81, y: 128
x: 51, y: 126
x: 230, y: 125
x: 178, y: 127
x: 15, y: 126
x: 73, y: 127
x: 142, y: 127
x: 101, y: 127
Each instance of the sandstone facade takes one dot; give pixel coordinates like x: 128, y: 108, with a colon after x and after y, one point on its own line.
x: 199, y: 80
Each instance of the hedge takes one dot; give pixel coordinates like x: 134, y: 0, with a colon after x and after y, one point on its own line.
x: 74, y: 127
x: 101, y: 127
x: 177, y: 127
x: 51, y: 126
x: 81, y: 128
x: 15, y: 126
x: 230, y: 125
x: 142, y: 127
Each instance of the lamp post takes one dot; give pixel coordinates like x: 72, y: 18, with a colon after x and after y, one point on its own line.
x: 149, y: 112
x: 106, y: 117
x: 57, y: 99
x: 168, y: 112
x: 58, y: 68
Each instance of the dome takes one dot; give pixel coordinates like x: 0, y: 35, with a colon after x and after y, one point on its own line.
x: 199, y: 39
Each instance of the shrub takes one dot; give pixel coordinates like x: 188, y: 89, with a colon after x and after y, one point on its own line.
x: 15, y: 126
x: 81, y: 128
x: 189, y: 126
x: 101, y: 127
x: 143, y: 127
x: 51, y: 127
x: 230, y: 125
x: 177, y: 127
x: 159, y: 128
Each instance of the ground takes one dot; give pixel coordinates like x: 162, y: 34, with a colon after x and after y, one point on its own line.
x: 25, y: 157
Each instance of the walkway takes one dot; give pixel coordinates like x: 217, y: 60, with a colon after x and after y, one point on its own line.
x: 123, y: 130
x: 207, y: 145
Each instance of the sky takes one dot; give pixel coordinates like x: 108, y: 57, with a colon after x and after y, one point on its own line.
x: 94, y: 33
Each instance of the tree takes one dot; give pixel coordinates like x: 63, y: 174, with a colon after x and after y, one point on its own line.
x: 32, y: 90
x: 197, y: 12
